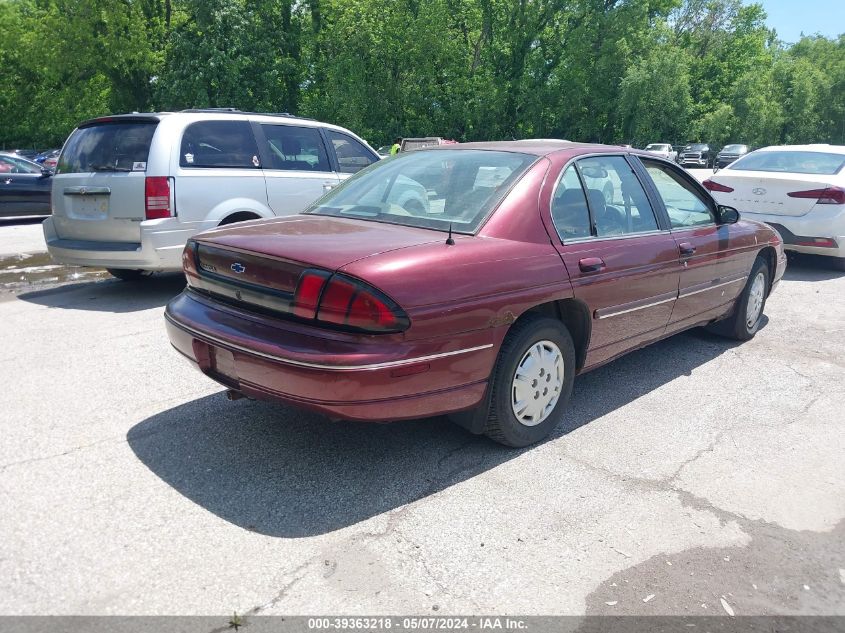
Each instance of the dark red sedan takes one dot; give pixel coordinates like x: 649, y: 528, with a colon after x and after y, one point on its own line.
x: 474, y: 280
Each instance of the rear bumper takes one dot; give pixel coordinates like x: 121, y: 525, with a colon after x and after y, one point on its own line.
x: 160, y: 248
x: 341, y: 376
x: 799, y: 232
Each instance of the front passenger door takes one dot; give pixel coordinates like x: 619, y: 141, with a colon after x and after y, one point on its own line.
x: 715, y: 259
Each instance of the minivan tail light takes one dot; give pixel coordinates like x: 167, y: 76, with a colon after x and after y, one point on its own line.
x: 157, y: 197
x: 712, y: 185
x: 346, y: 302
x: 828, y: 195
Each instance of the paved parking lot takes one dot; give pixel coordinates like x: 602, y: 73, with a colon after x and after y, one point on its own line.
x: 693, y: 473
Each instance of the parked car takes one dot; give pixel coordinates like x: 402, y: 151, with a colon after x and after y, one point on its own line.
x: 662, y: 149
x: 485, y: 304
x: 131, y: 189
x: 24, y: 187
x: 48, y: 158
x: 409, y: 144
x: 797, y: 189
x: 696, y: 155
x: 729, y: 153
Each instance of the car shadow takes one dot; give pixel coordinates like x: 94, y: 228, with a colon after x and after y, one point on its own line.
x: 804, y: 267
x: 110, y: 295
x: 288, y: 473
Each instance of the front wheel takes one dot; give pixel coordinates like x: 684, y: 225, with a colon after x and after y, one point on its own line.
x: 531, y: 383
x: 743, y: 324
x: 128, y: 274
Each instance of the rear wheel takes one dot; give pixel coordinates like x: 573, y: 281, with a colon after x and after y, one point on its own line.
x: 128, y: 274
x: 743, y: 324
x: 531, y: 383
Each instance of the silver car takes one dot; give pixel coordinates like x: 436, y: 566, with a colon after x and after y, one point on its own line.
x: 130, y: 190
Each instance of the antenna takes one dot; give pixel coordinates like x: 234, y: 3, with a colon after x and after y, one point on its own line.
x: 449, y: 239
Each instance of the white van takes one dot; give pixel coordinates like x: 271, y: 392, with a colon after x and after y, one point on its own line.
x: 130, y: 189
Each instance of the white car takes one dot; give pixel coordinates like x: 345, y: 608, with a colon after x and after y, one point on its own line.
x: 797, y: 189
x: 130, y: 190
x: 662, y: 149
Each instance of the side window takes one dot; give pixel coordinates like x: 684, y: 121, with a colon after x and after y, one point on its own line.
x: 295, y: 148
x: 352, y: 157
x: 617, y: 200
x: 219, y: 144
x: 569, y: 207
x: 686, y: 206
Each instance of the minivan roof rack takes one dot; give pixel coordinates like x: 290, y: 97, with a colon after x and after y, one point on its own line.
x: 237, y: 111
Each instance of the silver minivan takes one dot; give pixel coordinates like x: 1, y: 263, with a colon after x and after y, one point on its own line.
x: 130, y: 189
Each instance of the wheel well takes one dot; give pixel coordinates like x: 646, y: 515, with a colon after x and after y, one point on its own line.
x: 575, y: 316
x: 240, y: 216
x: 770, y: 256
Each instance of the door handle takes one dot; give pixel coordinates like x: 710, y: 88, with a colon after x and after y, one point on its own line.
x: 686, y: 249
x: 591, y: 264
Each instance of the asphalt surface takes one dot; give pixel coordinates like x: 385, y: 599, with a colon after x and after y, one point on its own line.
x: 691, y: 475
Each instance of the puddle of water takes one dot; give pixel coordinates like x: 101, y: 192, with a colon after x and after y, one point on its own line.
x: 19, y: 273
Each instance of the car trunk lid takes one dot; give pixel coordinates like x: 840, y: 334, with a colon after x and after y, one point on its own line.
x: 272, y: 254
x: 760, y: 192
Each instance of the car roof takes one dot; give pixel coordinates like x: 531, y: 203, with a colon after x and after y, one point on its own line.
x: 206, y: 114
x: 538, y: 147
x: 815, y: 147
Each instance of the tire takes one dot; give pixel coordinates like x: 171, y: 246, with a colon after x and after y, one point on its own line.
x: 747, y: 315
x: 127, y: 274
x: 527, y: 341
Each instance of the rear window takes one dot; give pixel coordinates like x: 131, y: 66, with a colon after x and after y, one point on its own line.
x: 224, y: 144
x: 821, y: 163
x: 112, y: 146
x: 428, y: 189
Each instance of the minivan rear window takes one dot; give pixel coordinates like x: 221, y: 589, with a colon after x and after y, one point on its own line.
x: 108, y: 146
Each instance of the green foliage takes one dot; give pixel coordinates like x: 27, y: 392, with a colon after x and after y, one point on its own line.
x: 593, y: 70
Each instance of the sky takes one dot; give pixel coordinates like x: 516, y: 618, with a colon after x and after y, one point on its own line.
x: 790, y: 17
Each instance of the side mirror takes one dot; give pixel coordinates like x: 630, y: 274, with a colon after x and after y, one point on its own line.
x: 46, y: 172
x: 728, y: 215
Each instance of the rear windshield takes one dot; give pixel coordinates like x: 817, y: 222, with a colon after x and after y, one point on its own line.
x: 821, y: 163
x: 112, y: 146
x: 432, y: 189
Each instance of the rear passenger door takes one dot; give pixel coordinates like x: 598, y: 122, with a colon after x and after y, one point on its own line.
x: 296, y: 166
x: 715, y: 259
x: 621, y: 259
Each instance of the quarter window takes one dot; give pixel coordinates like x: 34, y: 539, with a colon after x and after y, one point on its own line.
x: 295, y: 148
x: 686, y: 206
x: 570, y: 214
x: 352, y: 157
x: 219, y: 144
x: 618, y: 203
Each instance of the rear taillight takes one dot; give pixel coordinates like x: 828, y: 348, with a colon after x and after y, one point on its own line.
x: 346, y: 302
x: 189, y: 260
x: 712, y: 185
x: 828, y: 195
x: 157, y: 197
x: 306, y: 299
